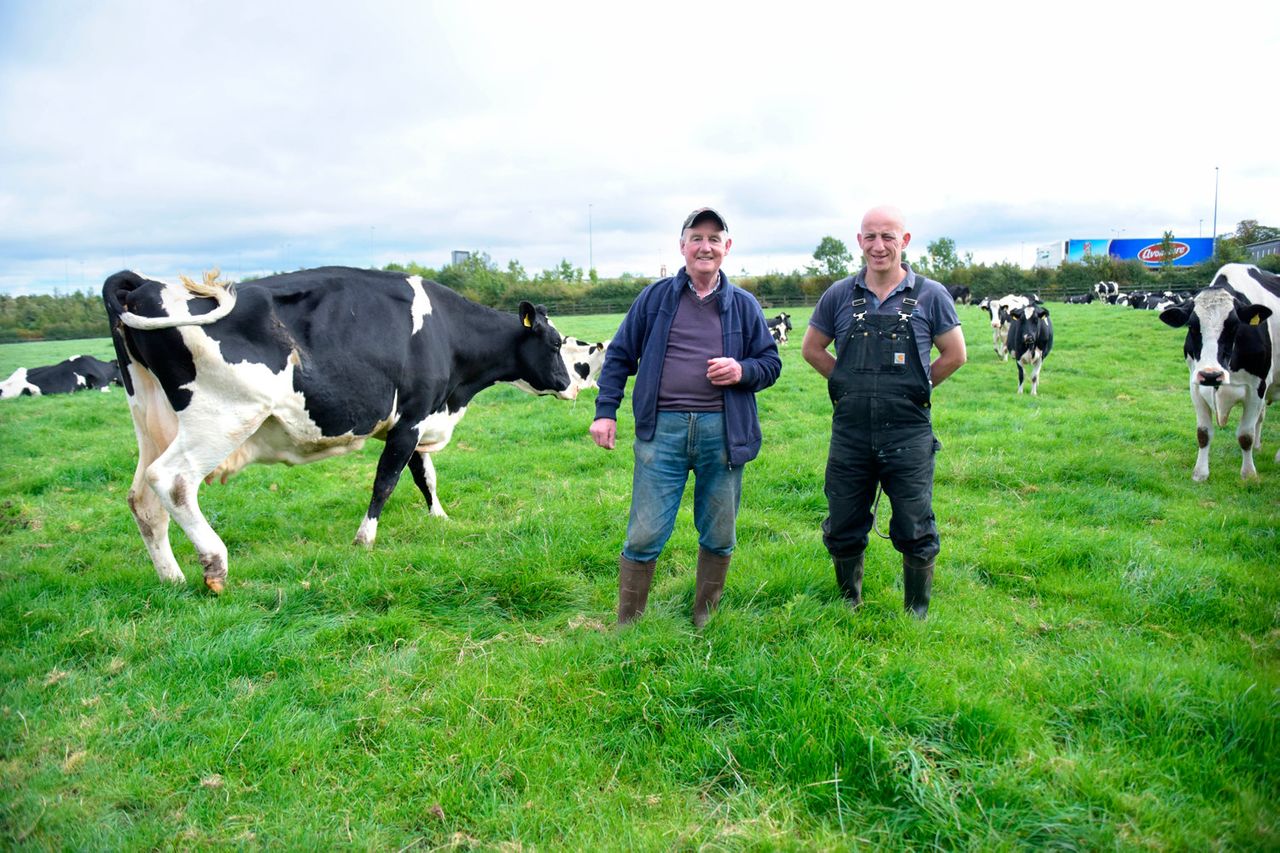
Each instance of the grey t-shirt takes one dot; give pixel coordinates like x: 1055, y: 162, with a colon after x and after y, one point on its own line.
x: 935, y: 312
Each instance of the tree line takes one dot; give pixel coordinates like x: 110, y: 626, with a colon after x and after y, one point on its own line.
x: 566, y: 289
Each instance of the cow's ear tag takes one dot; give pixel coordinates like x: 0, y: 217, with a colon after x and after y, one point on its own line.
x: 528, y: 324
x: 1255, y: 320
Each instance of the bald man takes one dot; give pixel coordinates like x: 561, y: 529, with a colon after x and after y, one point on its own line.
x: 885, y: 322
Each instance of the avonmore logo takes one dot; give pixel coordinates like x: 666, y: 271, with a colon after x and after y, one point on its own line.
x: 1154, y: 255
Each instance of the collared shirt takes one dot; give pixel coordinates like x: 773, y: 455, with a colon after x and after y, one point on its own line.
x: 935, y: 311
x: 719, y: 286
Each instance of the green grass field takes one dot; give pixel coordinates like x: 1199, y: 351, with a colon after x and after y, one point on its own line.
x: 1099, y: 668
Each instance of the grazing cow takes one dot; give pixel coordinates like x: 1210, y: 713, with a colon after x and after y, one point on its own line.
x: 1030, y: 339
x: 779, y: 326
x: 78, y: 373
x: 585, y: 360
x: 998, y: 310
x: 299, y: 367
x: 1233, y: 352
x: 960, y: 294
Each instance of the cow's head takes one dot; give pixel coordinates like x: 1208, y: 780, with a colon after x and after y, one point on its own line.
x: 1227, y: 339
x: 585, y: 360
x: 1000, y: 315
x: 1031, y: 320
x: 542, y: 363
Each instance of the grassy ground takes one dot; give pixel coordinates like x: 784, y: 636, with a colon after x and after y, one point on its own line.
x: 1099, y: 668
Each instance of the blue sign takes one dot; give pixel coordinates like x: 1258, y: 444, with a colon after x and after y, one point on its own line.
x: 1187, y: 252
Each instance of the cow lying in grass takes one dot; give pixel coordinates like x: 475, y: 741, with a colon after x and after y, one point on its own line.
x: 78, y: 373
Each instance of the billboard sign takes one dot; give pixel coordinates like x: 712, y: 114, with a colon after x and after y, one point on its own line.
x: 1079, y: 251
x: 1187, y: 252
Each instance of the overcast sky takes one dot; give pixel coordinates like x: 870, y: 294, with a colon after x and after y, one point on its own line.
x: 171, y: 137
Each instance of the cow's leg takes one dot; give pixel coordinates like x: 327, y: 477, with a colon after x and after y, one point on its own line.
x: 1257, y: 443
x: 176, y: 476
x: 1248, y: 434
x: 1035, y: 377
x: 424, y: 476
x: 1021, y: 376
x: 402, y: 441
x: 1204, y: 434
x: 154, y: 428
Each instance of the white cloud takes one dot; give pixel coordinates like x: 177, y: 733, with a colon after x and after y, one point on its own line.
x: 173, y: 137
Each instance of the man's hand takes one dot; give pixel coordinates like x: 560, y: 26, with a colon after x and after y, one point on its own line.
x: 604, y: 431
x: 724, y: 371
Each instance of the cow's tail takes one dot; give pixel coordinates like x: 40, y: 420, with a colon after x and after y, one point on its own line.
x: 121, y: 284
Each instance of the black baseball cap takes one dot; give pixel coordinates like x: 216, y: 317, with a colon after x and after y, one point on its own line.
x: 700, y: 214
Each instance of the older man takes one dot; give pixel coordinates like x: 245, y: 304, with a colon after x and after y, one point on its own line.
x: 700, y: 349
x: 884, y: 321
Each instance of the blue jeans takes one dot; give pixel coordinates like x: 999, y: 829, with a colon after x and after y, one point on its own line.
x: 683, y: 442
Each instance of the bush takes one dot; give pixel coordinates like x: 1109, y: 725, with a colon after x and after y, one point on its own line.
x: 1270, y: 263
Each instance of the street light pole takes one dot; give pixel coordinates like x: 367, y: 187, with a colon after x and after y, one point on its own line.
x: 591, y: 258
x: 1215, y: 211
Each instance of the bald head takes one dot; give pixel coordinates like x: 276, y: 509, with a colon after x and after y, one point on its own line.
x: 883, y: 218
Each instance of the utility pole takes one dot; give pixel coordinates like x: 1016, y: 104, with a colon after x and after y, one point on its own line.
x: 591, y: 258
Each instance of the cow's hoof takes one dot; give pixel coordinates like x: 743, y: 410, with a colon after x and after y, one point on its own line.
x: 215, y: 585
x: 1197, y: 477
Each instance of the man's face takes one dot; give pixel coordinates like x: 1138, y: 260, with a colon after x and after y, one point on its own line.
x: 882, y: 240
x: 704, y: 247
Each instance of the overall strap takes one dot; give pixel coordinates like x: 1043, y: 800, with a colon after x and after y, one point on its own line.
x: 859, y: 303
x: 909, y: 305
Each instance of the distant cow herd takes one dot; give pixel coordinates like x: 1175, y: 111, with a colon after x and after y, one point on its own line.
x: 300, y: 367
x: 1109, y: 292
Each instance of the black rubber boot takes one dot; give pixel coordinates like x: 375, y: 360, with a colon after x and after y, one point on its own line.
x: 712, y: 569
x: 849, y: 579
x: 633, y: 588
x: 917, y: 583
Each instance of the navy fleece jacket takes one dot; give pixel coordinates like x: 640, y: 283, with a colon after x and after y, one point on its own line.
x: 639, y: 349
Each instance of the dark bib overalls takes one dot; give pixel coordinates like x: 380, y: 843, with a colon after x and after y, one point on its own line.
x: 881, y: 435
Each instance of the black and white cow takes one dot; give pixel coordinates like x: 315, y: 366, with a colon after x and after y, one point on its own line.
x: 779, y: 326
x: 300, y: 367
x: 1081, y: 299
x: 78, y: 373
x: 998, y: 310
x: 1233, y: 352
x: 1172, y: 300
x: 584, y: 359
x: 1107, y: 291
x: 960, y: 294
x: 1030, y: 339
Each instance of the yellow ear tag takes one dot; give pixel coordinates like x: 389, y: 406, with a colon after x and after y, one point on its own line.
x: 1256, y: 320
x: 527, y: 324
